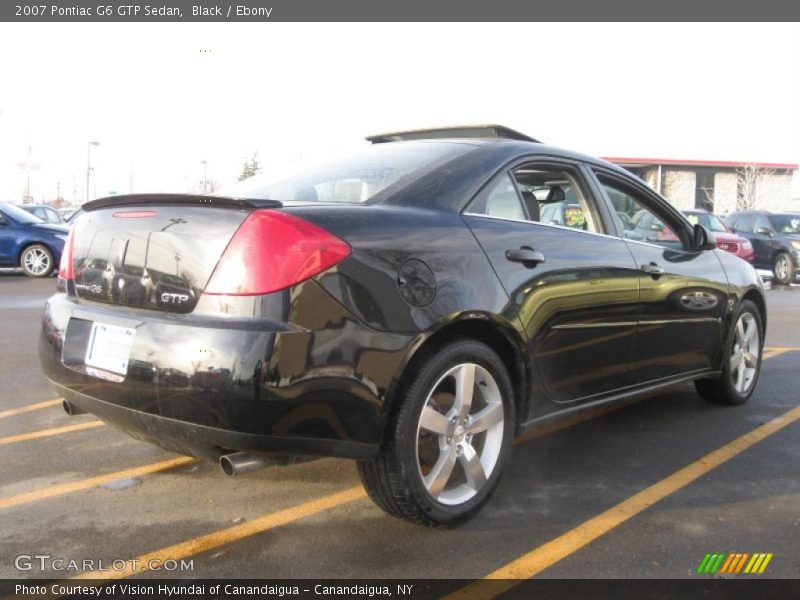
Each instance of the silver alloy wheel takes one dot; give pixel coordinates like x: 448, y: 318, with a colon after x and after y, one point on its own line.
x: 36, y: 261
x: 460, y: 434
x: 782, y: 267
x: 745, y: 353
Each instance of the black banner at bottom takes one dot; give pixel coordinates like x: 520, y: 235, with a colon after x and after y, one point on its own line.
x: 411, y: 589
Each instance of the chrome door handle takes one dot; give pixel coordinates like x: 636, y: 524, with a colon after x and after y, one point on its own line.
x: 525, y: 255
x: 653, y: 269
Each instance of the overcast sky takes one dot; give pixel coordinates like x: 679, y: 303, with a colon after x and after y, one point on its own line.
x: 161, y: 98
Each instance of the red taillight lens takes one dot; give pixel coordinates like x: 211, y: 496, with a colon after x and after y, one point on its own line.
x: 272, y: 251
x: 65, y: 266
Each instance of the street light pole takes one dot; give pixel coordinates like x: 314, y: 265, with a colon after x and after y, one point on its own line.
x: 205, y: 176
x: 89, y: 165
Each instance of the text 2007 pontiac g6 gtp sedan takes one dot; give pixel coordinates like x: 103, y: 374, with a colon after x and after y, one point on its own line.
x: 412, y: 307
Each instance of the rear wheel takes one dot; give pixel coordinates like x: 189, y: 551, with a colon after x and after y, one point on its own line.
x: 783, y: 269
x: 448, y: 440
x: 742, y: 362
x: 37, y: 261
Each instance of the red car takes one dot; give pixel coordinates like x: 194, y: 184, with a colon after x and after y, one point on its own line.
x: 726, y: 240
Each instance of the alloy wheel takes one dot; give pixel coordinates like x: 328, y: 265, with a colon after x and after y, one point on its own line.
x: 782, y: 267
x: 745, y: 353
x: 460, y: 434
x: 36, y: 261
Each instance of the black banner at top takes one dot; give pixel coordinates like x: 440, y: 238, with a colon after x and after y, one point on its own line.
x: 394, y: 10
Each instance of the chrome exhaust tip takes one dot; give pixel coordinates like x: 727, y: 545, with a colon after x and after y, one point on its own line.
x: 71, y: 409
x: 240, y: 463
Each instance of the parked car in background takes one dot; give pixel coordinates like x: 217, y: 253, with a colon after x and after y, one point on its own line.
x: 46, y: 213
x: 29, y: 243
x: 406, y: 306
x: 74, y: 215
x: 726, y: 240
x: 775, y: 238
x: 67, y: 212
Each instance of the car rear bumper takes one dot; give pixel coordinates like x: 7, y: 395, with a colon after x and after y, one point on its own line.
x: 208, y: 386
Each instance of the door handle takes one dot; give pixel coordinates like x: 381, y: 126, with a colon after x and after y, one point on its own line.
x: 653, y: 269
x: 525, y: 254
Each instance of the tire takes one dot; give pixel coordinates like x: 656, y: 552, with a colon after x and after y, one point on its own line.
x: 783, y: 269
x: 739, y: 373
x: 425, y: 435
x: 37, y: 261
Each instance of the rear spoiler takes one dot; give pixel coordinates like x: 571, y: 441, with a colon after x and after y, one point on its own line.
x: 179, y: 199
x: 463, y: 131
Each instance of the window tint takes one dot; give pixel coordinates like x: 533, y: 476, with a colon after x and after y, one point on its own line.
x: 553, y: 196
x: 356, y: 178
x: 745, y: 223
x: 500, y: 200
x: 640, y: 223
x: 786, y: 223
x: 762, y: 221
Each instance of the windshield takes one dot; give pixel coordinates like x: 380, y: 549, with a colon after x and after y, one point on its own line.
x: 358, y: 178
x: 707, y: 220
x: 19, y: 215
x: 786, y: 223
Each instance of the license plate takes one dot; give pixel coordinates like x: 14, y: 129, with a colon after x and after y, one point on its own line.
x: 109, y: 348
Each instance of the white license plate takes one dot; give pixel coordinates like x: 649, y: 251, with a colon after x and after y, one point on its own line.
x: 109, y: 348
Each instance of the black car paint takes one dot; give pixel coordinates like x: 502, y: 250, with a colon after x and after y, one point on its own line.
x: 315, y: 369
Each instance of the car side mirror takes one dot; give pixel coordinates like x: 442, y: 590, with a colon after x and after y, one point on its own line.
x: 702, y: 238
x: 765, y: 231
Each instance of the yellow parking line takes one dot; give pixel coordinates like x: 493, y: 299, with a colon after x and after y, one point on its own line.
x: 30, y: 408
x: 33, y: 435
x: 231, y: 534
x: 83, y: 484
x: 545, y: 556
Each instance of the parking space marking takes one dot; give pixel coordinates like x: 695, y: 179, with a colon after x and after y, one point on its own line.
x: 776, y: 351
x: 33, y: 435
x: 84, y: 484
x: 30, y: 408
x: 546, y: 555
x: 231, y: 534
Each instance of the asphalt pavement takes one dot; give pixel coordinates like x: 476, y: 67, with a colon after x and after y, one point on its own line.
x: 645, y: 490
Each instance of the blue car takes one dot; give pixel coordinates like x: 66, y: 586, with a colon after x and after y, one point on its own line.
x: 28, y: 242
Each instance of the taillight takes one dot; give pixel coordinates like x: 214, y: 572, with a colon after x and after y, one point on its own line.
x: 272, y: 251
x: 65, y: 266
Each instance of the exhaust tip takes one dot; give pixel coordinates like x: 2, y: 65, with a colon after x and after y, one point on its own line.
x: 227, y: 466
x: 240, y: 463
x: 71, y: 409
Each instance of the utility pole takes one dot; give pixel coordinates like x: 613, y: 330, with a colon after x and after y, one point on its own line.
x: 205, y: 175
x: 89, y: 165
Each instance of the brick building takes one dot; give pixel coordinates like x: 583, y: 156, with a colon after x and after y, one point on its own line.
x: 716, y: 185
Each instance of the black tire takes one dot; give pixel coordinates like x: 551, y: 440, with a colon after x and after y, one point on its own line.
x: 44, y: 264
x: 723, y: 389
x: 783, y: 269
x: 394, y: 479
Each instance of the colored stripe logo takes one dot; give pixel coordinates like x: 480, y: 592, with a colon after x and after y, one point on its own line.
x: 734, y: 562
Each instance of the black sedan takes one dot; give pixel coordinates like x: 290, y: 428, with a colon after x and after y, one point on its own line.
x: 406, y: 307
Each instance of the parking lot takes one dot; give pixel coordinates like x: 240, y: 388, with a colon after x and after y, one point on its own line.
x: 645, y: 490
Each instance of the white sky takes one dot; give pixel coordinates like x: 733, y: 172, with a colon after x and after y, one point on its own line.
x: 158, y: 105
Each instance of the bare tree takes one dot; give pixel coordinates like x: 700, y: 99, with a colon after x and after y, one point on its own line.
x: 747, y: 178
x: 251, y: 167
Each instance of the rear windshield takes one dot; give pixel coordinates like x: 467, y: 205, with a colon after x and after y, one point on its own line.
x: 18, y: 214
x: 369, y: 175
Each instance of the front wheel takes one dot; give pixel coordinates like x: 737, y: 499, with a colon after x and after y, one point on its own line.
x: 783, y: 269
x: 448, y: 439
x: 742, y: 360
x: 36, y: 261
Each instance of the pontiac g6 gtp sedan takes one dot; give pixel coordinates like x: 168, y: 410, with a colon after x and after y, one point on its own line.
x: 406, y: 307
